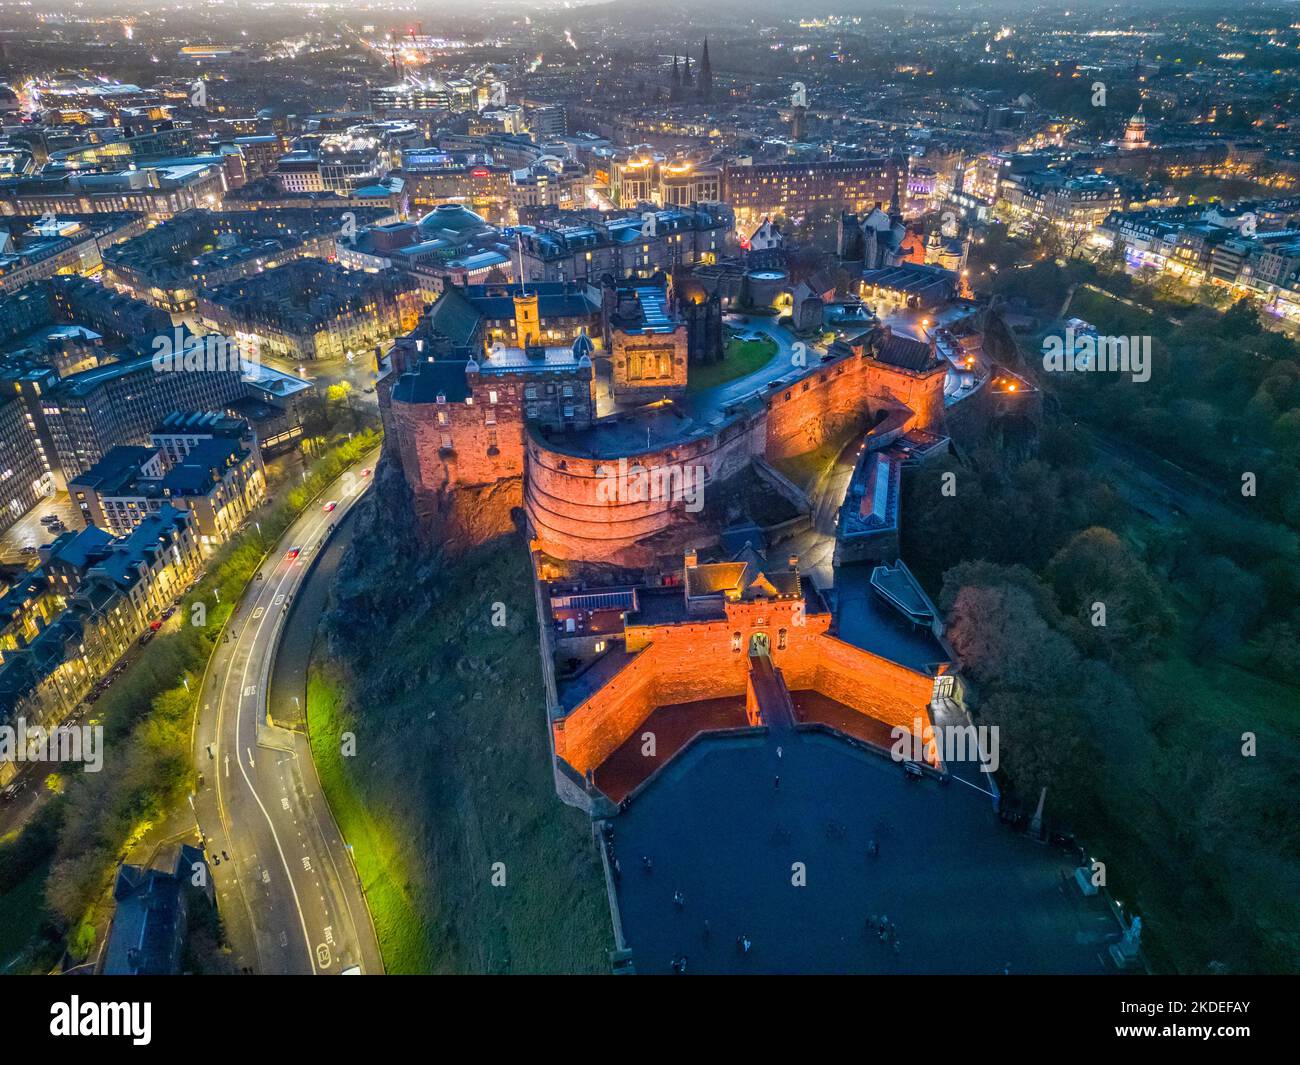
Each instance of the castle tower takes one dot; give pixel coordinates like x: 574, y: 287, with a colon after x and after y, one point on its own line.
x: 528, y: 325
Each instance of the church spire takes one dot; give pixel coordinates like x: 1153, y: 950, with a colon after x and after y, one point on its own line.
x: 706, y: 75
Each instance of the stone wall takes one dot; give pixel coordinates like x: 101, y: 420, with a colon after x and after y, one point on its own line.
x: 575, y: 511
x: 696, y: 661
x: 581, y: 509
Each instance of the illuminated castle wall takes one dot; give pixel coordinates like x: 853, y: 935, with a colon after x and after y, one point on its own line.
x: 692, y: 659
x: 466, y: 475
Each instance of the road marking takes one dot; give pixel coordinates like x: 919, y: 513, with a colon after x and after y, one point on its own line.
x: 250, y: 647
x: 227, y: 765
x: 258, y: 613
x: 251, y: 763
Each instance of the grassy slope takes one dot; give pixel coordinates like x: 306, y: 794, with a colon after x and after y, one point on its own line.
x: 452, y: 775
x: 741, y: 357
x: 24, y: 907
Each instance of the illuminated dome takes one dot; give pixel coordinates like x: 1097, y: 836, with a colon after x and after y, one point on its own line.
x: 451, y: 220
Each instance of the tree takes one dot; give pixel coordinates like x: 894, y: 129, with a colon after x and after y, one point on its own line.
x: 1114, y: 605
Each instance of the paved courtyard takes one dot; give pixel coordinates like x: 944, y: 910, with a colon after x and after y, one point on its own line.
x: 961, y: 893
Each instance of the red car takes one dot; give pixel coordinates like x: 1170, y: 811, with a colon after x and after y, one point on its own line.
x: 292, y: 553
x: 366, y: 472
x: 330, y: 505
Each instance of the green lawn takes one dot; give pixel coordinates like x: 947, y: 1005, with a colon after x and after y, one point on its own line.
x: 452, y: 773
x: 740, y: 357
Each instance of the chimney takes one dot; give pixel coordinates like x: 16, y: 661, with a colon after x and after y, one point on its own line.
x: 794, y: 562
x: 692, y: 559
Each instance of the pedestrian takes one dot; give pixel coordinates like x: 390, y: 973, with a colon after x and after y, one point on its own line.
x: 779, y: 751
x: 776, y: 783
x: 645, y: 862
x: 679, y: 900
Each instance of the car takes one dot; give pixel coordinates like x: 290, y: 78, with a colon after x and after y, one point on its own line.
x: 292, y: 553
x: 368, y: 389
x: 50, y: 519
x: 28, y: 549
x: 367, y: 472
x: 330, y: 505
x: 169, y: 612
x: 147, y: 636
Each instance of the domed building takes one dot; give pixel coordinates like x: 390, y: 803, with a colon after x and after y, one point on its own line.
x: 1135, y: 133
x: 452, y: 222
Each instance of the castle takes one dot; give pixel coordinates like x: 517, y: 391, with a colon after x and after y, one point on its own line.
x: 566, y: 408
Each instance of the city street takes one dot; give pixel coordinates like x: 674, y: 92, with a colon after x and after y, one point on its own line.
x: 286, y: 887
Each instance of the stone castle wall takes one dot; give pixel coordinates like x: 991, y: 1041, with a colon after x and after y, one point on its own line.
x: 667, y: 670
x: 575, y: 518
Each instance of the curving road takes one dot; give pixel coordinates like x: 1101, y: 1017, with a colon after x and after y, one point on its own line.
x: 288, y: 892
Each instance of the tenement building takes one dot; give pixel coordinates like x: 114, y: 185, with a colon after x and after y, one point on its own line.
x: 805, y: 190
x: 310, y: 309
